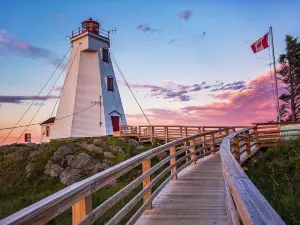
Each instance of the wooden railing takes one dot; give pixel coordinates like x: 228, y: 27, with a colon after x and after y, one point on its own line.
x: 242, y: 197
x: 181, y: 153
x: 269, y: 134
x: 166, y: 133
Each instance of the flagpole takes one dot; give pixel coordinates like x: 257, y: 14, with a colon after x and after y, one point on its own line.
x: 275, y: 77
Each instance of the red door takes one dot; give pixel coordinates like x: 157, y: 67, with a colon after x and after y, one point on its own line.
x: 115, y: 123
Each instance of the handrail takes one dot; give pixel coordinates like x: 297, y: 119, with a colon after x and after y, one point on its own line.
x: 250, y: 204
x: 78, y: 196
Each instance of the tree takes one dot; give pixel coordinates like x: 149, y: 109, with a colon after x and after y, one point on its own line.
x: 289, y: 75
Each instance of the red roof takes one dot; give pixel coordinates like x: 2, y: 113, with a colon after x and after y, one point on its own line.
x: 50, y: 120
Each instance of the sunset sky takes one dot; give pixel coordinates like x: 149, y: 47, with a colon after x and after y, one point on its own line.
x: 188, y: 62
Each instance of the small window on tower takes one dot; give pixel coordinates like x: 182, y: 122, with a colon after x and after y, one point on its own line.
x: 105, y: 55
x: 110, y: 84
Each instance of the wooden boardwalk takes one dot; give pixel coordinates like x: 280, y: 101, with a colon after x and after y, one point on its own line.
x: 196, y: 197
x: 214, y: 190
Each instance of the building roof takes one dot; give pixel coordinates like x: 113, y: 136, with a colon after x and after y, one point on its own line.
x: 50, y: 120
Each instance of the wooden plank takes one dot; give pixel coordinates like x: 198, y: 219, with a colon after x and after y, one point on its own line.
x: 81, y: 209
x: 181, y: 202
x: 236, y: 148
x: 146, y: 165
x: 173, y: 161
x: 192, y: 143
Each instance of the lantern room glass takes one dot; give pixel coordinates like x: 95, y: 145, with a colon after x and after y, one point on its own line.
x: 91, y: 26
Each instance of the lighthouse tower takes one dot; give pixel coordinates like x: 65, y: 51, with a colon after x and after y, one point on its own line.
x: 90, y: 93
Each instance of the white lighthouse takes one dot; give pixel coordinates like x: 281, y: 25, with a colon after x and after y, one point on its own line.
x: 90, y: 93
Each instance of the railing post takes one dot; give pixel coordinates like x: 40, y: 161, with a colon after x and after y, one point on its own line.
x: 139, y: 133
x: 255, y: 131
x: 152, y: 133
x: 173, y: 160
x: 185, y: 131
x: 180, y: 131
x: 226, y: 132
x: 212, y: 142
x: 236, y: 147
x: 167, y: 134
x: 247, y: 137
x: 81, y: 209
x: 146, y: 165
x: 192, y: 142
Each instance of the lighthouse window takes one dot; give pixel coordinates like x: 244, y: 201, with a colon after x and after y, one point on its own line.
x: 110, y: 84
x: 105, y: 55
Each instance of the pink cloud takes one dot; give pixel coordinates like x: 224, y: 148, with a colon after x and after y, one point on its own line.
x: 21, y: 45
x: 254, y: 104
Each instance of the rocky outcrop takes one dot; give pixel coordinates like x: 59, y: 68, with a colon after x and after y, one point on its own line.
x: 74, y: 162
x: 70, y: 167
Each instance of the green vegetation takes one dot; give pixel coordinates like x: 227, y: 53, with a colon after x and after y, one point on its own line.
x: 276, y: 173
x: 18, y: 190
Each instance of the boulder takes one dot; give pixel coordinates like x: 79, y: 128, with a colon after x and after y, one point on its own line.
x: 70, y: 176
x: 118, y: 149
x: 69, y: 159
x: 100, y: 166
x: 28, y: 168
x: 62, y: 152
x: 98, y: 141
x: 52, y: 170
x: 109, y: 155
x: 91, y: 147
x: 83, y: 161
x: 134, y: 143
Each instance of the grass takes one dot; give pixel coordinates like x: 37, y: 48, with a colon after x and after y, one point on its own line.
x: 276, y: 173
x: 18, y: 191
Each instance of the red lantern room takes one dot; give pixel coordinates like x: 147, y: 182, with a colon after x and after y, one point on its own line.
x: 91, y: 26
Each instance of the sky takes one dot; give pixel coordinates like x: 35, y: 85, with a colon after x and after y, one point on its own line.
x: 188, y: 62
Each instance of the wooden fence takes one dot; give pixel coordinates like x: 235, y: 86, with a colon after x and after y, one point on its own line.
x: 181, y: 153
x: 164, y: 132
x: 248, y: 203
x: 269, y: 134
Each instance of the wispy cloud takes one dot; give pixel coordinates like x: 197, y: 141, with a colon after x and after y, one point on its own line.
x: 238, y: 85
x: 15, y: 46
x: 180, y: 92
x: 244, y: 107
x: 185, y: 14
x: 146, y: 28
x: 21, y: 99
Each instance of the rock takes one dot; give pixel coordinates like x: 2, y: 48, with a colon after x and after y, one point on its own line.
x: 161, y: 156
x: 28, y: 168
x: 134, y: 143
x: 62, y: 152
x: 70, y: 176
x: 52, y: 170
x: 98, y: 141
x: 91, y: 147
x: 69, y: 159
x: 83, y: 161
x: 100, y: 166
x: 139, y: 147
x: 118, y: 149
x: 109, y: 155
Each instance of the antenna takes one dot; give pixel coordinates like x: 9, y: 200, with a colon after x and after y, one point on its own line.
x: 66, y: 36
x: 113, y: 30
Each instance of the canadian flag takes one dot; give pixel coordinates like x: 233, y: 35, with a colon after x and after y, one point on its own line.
x: 260, y: 44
